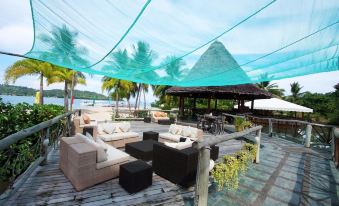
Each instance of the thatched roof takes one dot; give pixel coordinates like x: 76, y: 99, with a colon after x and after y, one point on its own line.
x: 243, y: 91
x: 217, y: 57
x: 220, y: 60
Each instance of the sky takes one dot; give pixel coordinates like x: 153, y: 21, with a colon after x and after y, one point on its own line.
x: 16, y: 35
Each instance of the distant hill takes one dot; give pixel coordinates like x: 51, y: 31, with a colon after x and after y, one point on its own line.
x: 25, y: 91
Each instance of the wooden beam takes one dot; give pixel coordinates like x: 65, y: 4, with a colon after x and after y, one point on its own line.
x: 252, y: 105
x: 215, y: 104
x: 308, y: 135
x: 209, y: 105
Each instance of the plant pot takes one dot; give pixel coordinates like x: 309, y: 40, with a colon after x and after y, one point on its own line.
x: 147, y: 119
x: 172, y: 120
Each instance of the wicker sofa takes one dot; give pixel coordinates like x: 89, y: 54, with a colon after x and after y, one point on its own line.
x: 175, y: 132
x: 79, y: 162
x: 155, y: 116
x: 79, y: 125
x: 117, y: 134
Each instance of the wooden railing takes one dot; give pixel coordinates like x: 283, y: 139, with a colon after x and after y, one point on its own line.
x: 201, y: 188
x: 303, y: 132
x: 49, y: 133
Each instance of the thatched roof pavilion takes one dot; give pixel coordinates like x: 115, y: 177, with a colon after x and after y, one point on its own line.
x: 218, y: 58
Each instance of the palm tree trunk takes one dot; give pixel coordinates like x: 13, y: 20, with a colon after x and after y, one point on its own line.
x: 139, y: 98
x: 66, y: 97
x: 41, y: 98
x: 129, y: 106
x: 144, y: 98
x: 136, y: 101
x: 116, y: 103
x: 72, y: 90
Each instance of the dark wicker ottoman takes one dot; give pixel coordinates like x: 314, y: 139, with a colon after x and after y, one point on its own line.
x: 147, y: 119
x: 164, y: 121
x: 88, y: 129
x: 214, y: 152
x: 141, y: 150
x: 135, y: 176
x: 150, y: 135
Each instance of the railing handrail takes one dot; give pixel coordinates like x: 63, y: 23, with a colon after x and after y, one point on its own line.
x: 11, y: 139
x: 281, y: 120
x: 222, y: 138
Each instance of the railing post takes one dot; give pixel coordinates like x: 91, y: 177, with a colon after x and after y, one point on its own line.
x: 257, y: 141
x: 44, y: 145
x: 270, y: 127
x: 201, y: 188
x: 308, y: 135
x: 332, y: 136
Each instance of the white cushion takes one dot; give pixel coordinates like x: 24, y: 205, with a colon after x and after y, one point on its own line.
x: 211, y: 165
x: 186, y: 132
x: 108, y: 128
x: 112, y: 137
x: 102, y: 143
x: 114, y: 156
x: 81, y: 120
x: 194, y: 132
x: 101, y: 154
x: 171, y: 144
x: 125, y: 126
x: 169, y: 136
x: 184, y: 145
x: 172, y: 129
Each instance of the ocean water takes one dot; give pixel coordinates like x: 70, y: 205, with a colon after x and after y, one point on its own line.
x: 58, y: 101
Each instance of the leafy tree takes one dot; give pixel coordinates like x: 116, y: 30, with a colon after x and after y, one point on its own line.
x: 334, y: 116
x: 29, y: 67
x: 64, y: 47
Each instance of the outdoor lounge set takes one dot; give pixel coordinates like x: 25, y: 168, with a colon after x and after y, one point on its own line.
x: 87, y: 160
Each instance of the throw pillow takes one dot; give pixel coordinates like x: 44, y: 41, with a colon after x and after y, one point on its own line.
x: 117, y: 128
x: 178, y: 130
x: 86, y: 118
x: 102, y: 143
x: 172, y: 129
x: 186, y: 132
x: 108, y: 128
x: 125, y: 126
x: 101, y: 154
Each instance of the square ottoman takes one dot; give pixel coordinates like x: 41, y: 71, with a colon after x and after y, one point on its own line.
x: 141, y: 150
x: 150, y: 135
x: 135, y: 176
x: 214, y: 152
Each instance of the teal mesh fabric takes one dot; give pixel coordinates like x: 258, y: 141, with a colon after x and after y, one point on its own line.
x: 188, y: 43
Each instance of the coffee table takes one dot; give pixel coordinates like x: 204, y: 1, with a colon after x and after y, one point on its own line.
x: 150, y: 135
x: 141, y: 150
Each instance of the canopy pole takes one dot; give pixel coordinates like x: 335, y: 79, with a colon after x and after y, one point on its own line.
x: 18, y: 55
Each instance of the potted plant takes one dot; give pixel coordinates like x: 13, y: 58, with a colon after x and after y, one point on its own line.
x: 172, y: 118
x: 241, y: 124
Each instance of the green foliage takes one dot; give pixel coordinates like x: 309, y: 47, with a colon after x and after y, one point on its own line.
x: 14, y: 118
x: 241, y: 124
x: 226, y: 173
x: 25, y: 91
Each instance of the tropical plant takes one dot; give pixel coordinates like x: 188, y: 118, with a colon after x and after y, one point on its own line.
x: 244, y: 159
x: 252, y: 149
x: 64, y: 47
x: 271, y: 88
x: 173, y: 66
x: 28, y: 67
x: 142, y: 59
x: 295, y: 90
x: 241, y: 124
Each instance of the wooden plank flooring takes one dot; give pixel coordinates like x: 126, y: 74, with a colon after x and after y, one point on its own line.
x: 48, y: 186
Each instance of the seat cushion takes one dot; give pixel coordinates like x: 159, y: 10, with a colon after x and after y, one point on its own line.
x: 130, y: 134
x: 169, y: 136
x: 184, y: 145
x: 112, y: 137
x: 114, y: 156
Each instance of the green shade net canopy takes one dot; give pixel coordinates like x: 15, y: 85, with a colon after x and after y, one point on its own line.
x: 188, y: 43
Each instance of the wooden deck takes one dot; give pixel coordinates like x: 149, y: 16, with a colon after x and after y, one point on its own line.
x: 48, y: 186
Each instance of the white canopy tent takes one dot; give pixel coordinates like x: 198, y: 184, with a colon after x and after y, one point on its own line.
x: 275, y: 104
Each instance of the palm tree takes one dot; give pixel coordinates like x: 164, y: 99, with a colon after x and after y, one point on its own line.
x: 271, y: 88
x: 28, y: 67
x: 173, y: 67
x: 119, y: 87
x: 121, y: 63
x: 70, y: 78
x: 64, y: 47
x: 295, y: 90
x: 142, y: 58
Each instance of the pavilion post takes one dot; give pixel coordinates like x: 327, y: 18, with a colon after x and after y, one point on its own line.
x: 252, y: 105
x: 181, y: 106
x: 201, y: 188
x: 215, y: 104
x: 270, y: 127
x: 238, y: 105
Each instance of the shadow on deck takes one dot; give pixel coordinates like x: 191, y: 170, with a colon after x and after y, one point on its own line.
x: 288, y: 174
